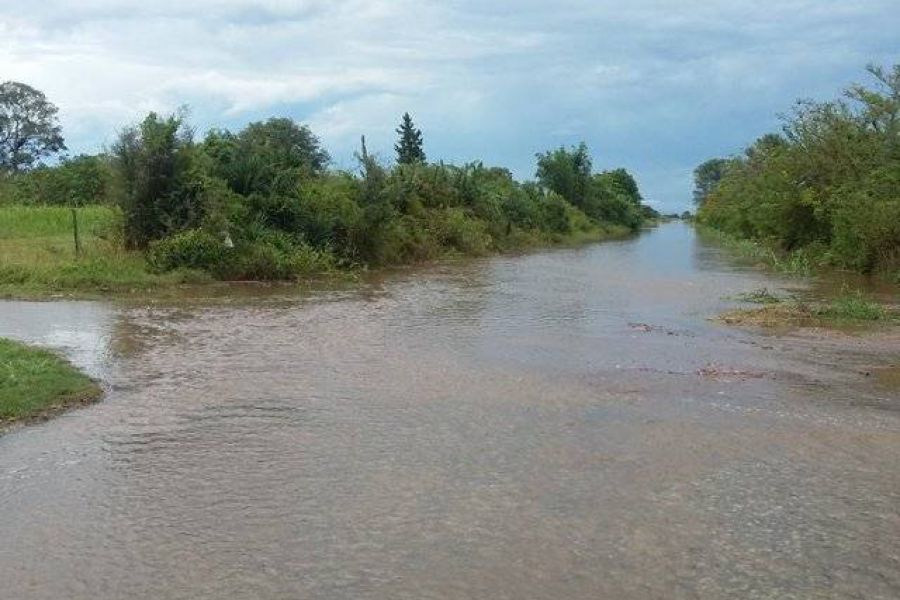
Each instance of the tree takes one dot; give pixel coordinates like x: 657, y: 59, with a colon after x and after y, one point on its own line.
x: 267, y: 156
x: 165, y: 189
x: 827, y: 186
x: 567, y: 172
x: 765, y: 145
x: 409, y: 147
x: 624, y: 183
x: 707, y: 176
x: 29, y: 129
x: 611, y: 196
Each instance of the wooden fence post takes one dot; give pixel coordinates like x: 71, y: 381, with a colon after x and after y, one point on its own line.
x: 75, y: 232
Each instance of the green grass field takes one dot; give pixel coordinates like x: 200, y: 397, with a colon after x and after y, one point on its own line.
x: 37, y: 254
x: 35, y: 382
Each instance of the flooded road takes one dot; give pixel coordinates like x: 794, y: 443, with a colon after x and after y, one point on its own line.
x: 561, y: 425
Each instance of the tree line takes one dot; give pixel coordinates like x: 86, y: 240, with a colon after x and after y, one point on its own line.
x: 263, y: 202
x: 827, y: 185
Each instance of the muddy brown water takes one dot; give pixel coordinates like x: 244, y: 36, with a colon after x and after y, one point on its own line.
x: 565, y: 424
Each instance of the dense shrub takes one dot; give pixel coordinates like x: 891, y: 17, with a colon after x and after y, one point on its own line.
x: 269, y: 256
x: 266, y: 157
x: 455, y: 229
x: 164, y: 178
x: 829, y: 186
x: 329, y: 210
x: 866, y: 221
x: 193, y: 249
x: 261, y: 203
x: 260, y: 261
x: 611, y: 196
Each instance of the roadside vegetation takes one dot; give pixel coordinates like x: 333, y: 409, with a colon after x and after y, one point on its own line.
x: 163, y: 205
x: 821, y: 193
x: 35, y: 383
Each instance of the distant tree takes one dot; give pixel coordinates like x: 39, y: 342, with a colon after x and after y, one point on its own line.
x: 74, y: 181
x: 625, y: 183
x: 566, y: 171
x: 29, y: 129
x: 409, y: 147
x: 611, y: 196
x: 707, y: 176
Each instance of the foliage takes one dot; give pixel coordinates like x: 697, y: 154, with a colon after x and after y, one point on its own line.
x: 261, y: 203
x: 567, y: 172
x: 409, y: 146
x: 611, y: 196
x: 268, y: 256
x: 193, y: 249
x: 825, y: 189
x: 165, y: 188
x: 29, y: 129
x: 266, y: 157
x: 707, y: 176
x: 78, y: 181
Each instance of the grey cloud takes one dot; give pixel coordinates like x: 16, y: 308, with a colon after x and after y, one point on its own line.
x: 654, y: 85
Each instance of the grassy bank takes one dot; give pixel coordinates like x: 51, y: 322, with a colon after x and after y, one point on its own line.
x: 264, y: 204
x: 37, y: 254
x: 38, y: 258
x: 35, y: 383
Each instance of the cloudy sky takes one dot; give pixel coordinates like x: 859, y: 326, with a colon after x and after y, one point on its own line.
x: 653, y: 85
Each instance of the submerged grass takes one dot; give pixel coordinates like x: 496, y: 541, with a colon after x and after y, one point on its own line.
x: 35, y: 383
x: 853, y: 307
x: 848, y: 309
x: 800, y: 262
x: 759, y: 296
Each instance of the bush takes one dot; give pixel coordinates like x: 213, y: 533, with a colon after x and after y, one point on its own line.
x: 271, y: 255
x: 328, y: 211
x: 867, y: 223
x: 165, y: 185
x: 454, y: 229
x: 555, y: 214
x: 192, y: 249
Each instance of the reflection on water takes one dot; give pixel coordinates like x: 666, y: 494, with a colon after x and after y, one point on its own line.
x: 566, y: 424
x: 80, y: 329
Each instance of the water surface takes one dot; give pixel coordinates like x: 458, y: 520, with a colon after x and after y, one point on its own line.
x: 565, y: 424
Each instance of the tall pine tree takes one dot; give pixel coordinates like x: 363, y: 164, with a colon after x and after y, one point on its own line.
x: 409, y: 148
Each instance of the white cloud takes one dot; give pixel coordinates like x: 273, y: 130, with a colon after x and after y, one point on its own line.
x: 654, y: 85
